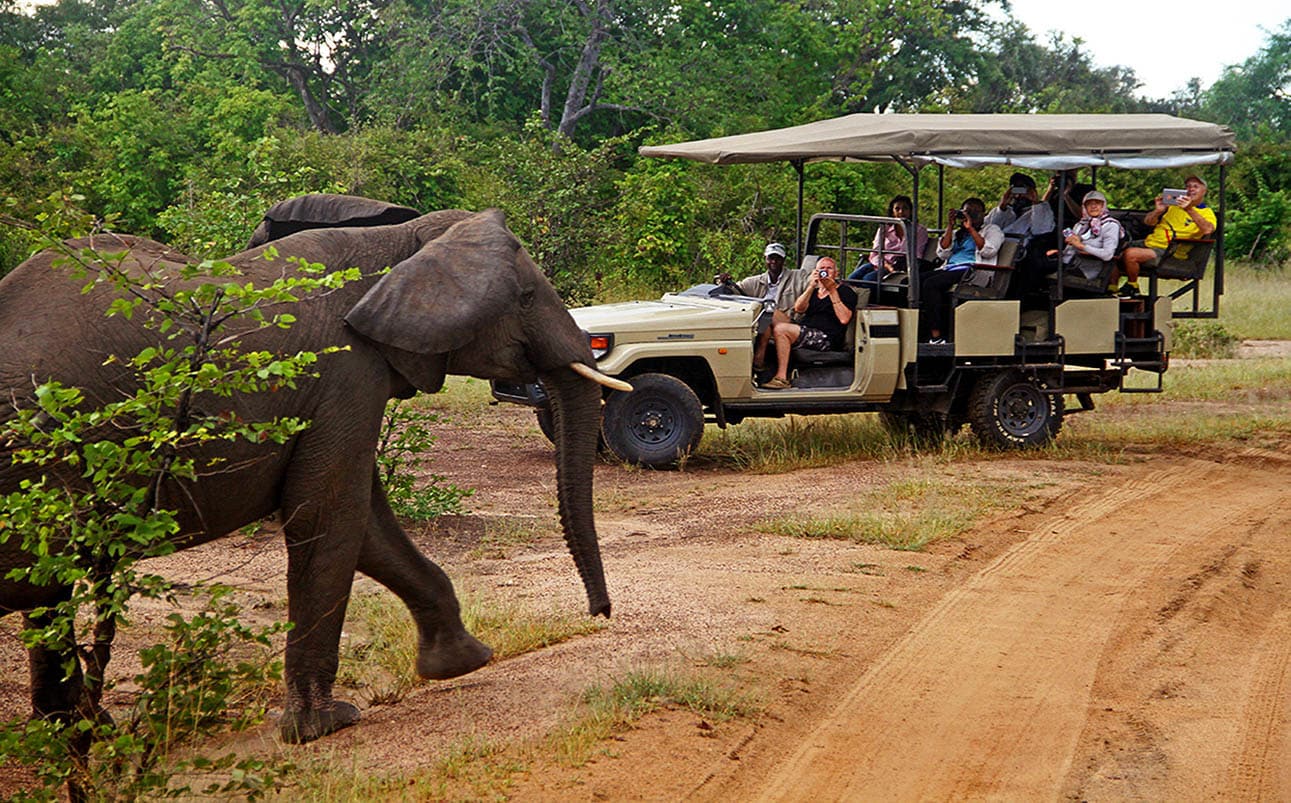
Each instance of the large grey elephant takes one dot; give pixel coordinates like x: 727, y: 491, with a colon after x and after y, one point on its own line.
x: 461, y: 296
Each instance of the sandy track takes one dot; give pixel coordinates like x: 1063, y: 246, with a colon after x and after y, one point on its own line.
x: 1016, y: 684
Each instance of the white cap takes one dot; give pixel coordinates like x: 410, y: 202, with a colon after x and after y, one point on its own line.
x: 774, y: 248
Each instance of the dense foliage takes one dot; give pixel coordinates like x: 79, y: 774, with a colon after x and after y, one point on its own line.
x: 185, y: 119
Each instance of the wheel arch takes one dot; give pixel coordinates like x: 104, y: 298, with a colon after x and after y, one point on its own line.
x: 694, y: 371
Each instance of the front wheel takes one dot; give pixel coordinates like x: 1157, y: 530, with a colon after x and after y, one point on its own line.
x: 657, y: 424
x: 1009, y: 410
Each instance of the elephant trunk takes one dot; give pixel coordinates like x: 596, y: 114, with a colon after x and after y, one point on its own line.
x: 576, y: 416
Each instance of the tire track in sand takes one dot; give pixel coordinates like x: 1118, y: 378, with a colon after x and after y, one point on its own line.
x: 987, y: 695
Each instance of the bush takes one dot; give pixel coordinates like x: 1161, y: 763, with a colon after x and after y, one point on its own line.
x: 404, y: 439
x: 1204, y: 340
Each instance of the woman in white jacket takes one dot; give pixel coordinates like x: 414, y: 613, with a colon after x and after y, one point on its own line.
x: 1097, y: 235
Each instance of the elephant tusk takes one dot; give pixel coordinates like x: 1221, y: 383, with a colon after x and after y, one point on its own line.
x: 600, y: 378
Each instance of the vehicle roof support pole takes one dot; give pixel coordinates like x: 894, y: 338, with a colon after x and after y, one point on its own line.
x: 1219, y: 240
x: 941, y: 193
x: 912, y: 257
x: 797, y: 243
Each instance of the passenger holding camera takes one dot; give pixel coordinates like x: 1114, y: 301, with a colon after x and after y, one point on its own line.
x: 1188, y: 218
x: 1020, y: 212
x: 968, y: 240
x: 825, y: 307
x: 1066, y: 191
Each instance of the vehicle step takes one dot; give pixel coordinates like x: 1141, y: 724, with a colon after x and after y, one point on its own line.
x: 1142, y: 390
x: 937, y: 350
x: 1153, y: 366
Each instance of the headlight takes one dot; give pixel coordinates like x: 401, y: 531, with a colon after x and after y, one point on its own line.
x: 601, y: 345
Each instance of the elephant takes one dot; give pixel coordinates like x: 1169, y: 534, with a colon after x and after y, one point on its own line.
x: 446, y: 292
x: 321, y: 210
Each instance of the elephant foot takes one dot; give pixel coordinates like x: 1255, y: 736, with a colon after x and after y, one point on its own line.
x: 449, y: 658
x: 299, y: 727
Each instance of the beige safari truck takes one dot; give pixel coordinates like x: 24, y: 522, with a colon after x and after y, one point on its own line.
x: 1014, y: 356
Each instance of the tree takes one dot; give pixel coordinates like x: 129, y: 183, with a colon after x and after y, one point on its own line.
x: 324, y: 51
x: 1254, y: 97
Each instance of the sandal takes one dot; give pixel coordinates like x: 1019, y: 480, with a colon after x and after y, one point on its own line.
x: 776, y: 383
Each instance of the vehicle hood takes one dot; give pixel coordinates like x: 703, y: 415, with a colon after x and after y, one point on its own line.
x: 672, y: 312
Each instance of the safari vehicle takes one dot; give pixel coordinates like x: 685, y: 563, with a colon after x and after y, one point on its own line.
x: 1011, y: 360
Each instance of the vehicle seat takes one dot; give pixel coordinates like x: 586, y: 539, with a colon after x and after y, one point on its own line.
x: 1074, y: 276
x: 844, y: 357
x: 1184, y: 259
x: 990, y: 281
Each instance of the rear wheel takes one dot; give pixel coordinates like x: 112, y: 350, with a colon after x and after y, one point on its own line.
x: 657, y: 424
x: 1009, y: 409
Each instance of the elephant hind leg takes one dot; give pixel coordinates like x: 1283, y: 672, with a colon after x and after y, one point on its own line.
x: 445, y: 649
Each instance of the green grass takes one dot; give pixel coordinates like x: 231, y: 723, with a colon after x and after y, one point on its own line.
x: 777, y: 445
x: 470, y: 769
x: 462, y: 397
x: 904, y: 515
x: 606, y: 710
x: 1238, y: 381
x: 475, y: 768
x: 381, y: 658
x: 505, y: 534
x: 1256, y: 301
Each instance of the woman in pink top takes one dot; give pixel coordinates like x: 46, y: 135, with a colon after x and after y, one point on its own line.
x: 889, y: 243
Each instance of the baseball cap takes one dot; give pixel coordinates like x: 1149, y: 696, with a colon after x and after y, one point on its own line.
x: 1196, y: 178
x: 1094, y: 195
x: 774, y: 248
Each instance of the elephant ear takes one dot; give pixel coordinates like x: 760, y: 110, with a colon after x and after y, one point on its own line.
x: 325, y: 211
x: 436, y: 300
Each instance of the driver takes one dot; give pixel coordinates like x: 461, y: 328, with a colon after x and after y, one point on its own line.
x: 767, y: 285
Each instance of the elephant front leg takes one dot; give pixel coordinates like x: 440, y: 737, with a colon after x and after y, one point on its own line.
x: 445, y: 649
x: 322, y: 553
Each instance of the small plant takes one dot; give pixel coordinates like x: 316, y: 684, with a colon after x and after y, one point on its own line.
x: 1204, y: 339
x: 405, y: 437
x: 906, y: 515
x: 607, y: 710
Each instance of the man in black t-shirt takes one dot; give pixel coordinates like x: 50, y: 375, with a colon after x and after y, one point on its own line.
x: 826, y: 308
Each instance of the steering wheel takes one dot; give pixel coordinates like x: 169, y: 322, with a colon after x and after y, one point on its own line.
x: 726, y: 288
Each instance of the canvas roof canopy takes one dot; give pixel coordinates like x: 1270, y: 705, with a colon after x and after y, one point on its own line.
x: 1036, y: 141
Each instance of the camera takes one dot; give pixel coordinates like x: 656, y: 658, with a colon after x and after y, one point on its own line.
x: 1019, y: 190
x: 824, y: 274
x: 957, y: 216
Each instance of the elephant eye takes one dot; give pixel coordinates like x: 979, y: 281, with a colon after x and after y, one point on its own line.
x: 526, y: 298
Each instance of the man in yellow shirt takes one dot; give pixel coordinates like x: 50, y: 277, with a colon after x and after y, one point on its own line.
x: 1188, y: 219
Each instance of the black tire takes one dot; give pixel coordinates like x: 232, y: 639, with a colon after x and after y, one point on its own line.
x: 548, y: 426
x: 922, y: 429
x: 546, y: 423
x: 1009, y: 410
x: 656, y: 425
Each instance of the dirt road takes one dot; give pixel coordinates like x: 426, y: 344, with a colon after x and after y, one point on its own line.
x: 1135, y: 645
x: 1122, y: 630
